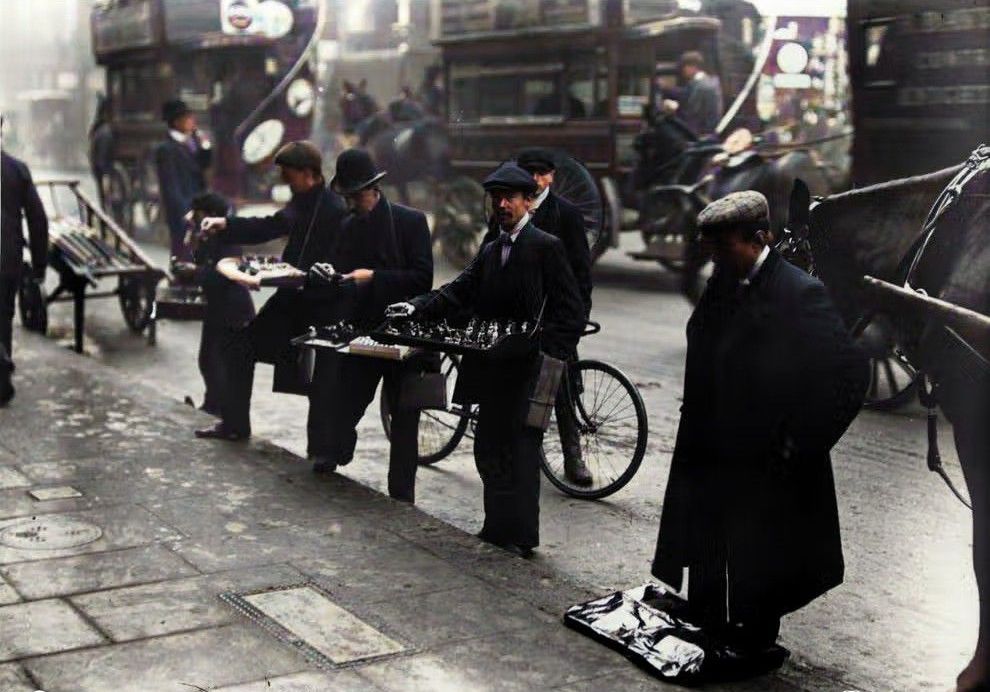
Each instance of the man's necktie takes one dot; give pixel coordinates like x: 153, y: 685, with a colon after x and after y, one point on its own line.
x: 505, y: 240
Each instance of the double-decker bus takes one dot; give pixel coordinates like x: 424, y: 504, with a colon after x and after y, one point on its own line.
x: 243, y: 67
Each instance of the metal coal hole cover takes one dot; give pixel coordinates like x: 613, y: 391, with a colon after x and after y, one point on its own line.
x: 49, y: 533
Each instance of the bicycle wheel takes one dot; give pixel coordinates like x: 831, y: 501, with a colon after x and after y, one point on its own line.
x: 612, y: 425
x: 440, y: 431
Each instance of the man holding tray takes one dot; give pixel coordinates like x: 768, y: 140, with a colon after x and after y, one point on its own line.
x: 522, y: 276
x: 311, y: 220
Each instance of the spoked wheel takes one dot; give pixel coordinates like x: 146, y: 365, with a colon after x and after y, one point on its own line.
x: 31, y: 304
x: 137, y: 298
x: 612, y: 427
x: 574, y: 182
x: 440, y: 431
x: 893, y: 380
x: 119, y: 196
x: 460, y: 221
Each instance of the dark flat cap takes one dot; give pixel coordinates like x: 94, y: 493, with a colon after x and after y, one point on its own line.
x: 509, y: 176
x: 746, y: 210
x: 172, y: 109
x: 302, y: 155
x: 536, y: 160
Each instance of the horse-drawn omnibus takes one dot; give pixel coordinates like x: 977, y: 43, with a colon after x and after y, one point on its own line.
x: 241, y: 65
x: 557, y: 74
x: 920, y: 74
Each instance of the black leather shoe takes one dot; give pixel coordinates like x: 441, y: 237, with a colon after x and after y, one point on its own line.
x: 322, y: 464
x: 518, y: 550
x: 220, y: 432
x: 577, y: 473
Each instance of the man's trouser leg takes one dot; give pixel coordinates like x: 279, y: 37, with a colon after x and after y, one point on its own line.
x: 403, y: 454
x: 8, y: 292
x: 240, y: 357
x: 211, y: 364
x: 339, y: 395
x: 507, y: 455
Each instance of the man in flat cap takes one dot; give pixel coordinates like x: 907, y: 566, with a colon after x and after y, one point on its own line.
x: 516, y: 277
x: 181, y: 161
x: 311, y: 222
x: 553, y: 214
x: 772, y: 381
x: 386, y: 250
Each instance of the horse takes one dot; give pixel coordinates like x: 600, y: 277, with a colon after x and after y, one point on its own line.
x: 409, y: 149
x: 877, y: 231
x: 677, y: 175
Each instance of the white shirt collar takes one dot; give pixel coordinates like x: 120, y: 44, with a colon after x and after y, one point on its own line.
x: 518, y: 227
x: 757, y: 265
x: 540, y: 198
x: 180, y: 137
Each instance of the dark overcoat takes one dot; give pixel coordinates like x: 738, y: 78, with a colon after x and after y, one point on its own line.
x: 20, y: 201
x: 181, y: 176
x: 701, y: 106
x: 228, y: 304
x: 772, y: 381
x: 536, y: 273
x: 311, y: 222
x: 561, y: 219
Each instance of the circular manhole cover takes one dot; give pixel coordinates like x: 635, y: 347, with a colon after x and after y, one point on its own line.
x: 49, y: 533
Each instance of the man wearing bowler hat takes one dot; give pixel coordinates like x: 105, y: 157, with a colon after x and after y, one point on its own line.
x: 181, y: 161
x: 311, y: 221
x: 555, y: 215
x: 519, y: 276
x: 384, y: 250
x: 772, y: 381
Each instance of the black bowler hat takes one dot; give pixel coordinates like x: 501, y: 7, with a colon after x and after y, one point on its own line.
x: 174, y: 108
x: 210, y: 203
x: 536, y: 160
x: 510, y: 176
x: 301, y: 155
x: 355, y: 171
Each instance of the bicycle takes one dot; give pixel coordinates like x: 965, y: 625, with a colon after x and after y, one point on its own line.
x: 611, y: 421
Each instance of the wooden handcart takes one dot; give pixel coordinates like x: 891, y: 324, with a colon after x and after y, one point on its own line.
x: 87, y: 250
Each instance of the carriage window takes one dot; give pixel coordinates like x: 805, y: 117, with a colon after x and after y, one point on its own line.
x: 634, y: 89
x: 464, y: 99
x: 586, y: 92
x: 132, y: 92
x: 877, y: 58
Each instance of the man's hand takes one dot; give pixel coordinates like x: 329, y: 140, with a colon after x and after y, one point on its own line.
x: 322, y: 273
x: 396, y: 310
x: 669, y: 106
x: 360, y: 276
x: 212, y: 225
x: 252, y: 283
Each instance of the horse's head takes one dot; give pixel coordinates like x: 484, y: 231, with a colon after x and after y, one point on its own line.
x: 866, y: 231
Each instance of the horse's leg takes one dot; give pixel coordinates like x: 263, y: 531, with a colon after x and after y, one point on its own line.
x: 973, y: 445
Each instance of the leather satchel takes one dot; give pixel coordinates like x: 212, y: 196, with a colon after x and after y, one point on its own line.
x: 544, y: 393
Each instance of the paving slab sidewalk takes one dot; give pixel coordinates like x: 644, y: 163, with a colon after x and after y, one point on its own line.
x: 115, y: 582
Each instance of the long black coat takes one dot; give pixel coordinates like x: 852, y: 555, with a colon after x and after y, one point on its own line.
x: 769, y: 367
x: 394, y: 241
x: 311, y: 221
x: 181, y: 176
x: 228, y: 304
x: 537, y: 270
x: 560, y: 218
x: 20, y: 200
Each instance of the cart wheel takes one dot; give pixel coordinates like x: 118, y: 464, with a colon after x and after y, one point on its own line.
x: 574, y: 182
x: 666, y: 217
x: 137, y: 299
x: 612, y: 425
x: 439, y: 431
x: 119, y: 196
x: 893, y: 380
x: 460, y: 221
x: 32, y: 305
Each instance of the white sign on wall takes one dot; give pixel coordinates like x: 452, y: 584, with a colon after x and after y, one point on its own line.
x: 270, y: 18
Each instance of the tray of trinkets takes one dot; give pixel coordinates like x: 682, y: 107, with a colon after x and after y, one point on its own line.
x: 343, y: 337
x: 488, y: 338
x: 267, y: 271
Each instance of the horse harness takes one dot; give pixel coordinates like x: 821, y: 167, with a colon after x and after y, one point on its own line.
x: 977, y: 164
